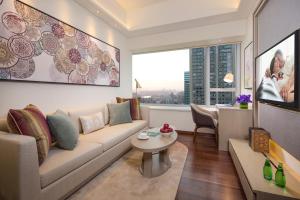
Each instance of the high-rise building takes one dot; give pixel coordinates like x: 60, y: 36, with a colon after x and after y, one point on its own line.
x: 222, y: 61
x: 197, y: 80
x: 187, y: 89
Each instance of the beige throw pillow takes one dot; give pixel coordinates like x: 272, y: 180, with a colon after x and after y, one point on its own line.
x: 92, y: 123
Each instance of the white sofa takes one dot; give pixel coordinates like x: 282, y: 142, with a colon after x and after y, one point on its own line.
x: 63, y: 171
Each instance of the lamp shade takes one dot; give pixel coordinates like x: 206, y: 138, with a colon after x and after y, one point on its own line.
x: 137, y: 84
x: 229, y: 77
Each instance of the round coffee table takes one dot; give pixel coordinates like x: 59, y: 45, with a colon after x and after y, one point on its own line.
x: 156, y: 160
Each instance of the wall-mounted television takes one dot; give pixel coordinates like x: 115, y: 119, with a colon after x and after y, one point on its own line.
x: 277, y: 73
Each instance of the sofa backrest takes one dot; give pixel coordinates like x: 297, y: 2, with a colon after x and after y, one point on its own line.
x: 3, y: 125
x: 76, y: 113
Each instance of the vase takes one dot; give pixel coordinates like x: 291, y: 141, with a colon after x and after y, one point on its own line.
x: 243, y: 105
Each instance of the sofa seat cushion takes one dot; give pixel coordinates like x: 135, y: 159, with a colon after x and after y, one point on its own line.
x: 61, y: 162
x: 112, y: 135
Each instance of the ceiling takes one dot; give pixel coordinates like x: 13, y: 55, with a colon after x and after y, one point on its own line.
x: 142, y: 17
x: 129, y: 5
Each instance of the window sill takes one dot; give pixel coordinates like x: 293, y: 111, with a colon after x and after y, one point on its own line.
x: 171, y: 108
x: 179, y: 108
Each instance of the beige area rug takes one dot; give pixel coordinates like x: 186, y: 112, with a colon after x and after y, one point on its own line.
x: 122, y: 180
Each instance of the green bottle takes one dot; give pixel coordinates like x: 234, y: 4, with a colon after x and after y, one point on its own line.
x: 267, y: 170
x: 280, y: 177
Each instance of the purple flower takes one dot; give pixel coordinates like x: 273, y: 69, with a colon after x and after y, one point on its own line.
x: 243, y: 99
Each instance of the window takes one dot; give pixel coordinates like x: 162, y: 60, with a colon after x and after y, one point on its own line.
x: 183, y: 76
x: 222, y: 60
x: 161, y: 76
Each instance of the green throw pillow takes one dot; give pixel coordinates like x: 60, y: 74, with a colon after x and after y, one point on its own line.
x: 63, y: 130
x: 119, y: 113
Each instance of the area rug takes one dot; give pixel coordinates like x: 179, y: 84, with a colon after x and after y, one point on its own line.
x: 122, y: 180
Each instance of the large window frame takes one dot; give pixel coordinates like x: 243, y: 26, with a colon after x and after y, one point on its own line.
x: 208, y: 89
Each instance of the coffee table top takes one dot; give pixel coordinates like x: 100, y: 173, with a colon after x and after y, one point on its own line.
x: 154, y: 143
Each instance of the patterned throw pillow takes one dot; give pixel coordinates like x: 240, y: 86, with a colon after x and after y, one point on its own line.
x: 92, y: 123
x: 135, y: 109
x: 31, y: 122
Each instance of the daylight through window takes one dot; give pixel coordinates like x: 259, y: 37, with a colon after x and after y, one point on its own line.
x: 186, y: 76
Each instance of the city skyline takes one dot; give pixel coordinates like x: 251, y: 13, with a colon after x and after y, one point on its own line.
x: 194, y: 85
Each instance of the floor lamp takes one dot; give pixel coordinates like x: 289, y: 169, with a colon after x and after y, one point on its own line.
x: 229, y: 78
x: 137, y: 85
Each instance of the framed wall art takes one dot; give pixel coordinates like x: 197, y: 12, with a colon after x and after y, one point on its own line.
x: 248, y: 66
x: 37, y: 47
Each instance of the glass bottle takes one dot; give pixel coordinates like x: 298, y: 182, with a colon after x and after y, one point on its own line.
x: 267, y: 170
x: 280, y: 177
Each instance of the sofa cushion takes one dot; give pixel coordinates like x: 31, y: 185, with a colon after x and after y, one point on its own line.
x: 90, y: 123
x: 61, y: 162
x: 112, y: 135
x: 31, y: 121
x: 135, y: 109
x: 119, y: 113
x: 63, y: 130
x: 75, y: 114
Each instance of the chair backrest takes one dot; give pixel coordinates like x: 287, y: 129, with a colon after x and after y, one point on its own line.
x: 201, y: 117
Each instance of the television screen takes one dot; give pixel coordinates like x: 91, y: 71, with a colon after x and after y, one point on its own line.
x: 276, y: 76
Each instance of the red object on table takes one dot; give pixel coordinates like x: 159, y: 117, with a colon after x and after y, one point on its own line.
x: 166, y: 128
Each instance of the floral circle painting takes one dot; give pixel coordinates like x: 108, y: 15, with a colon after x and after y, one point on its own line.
x: 37, y: 47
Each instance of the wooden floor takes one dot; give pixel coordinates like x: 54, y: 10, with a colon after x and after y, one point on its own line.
x: 208, y: 173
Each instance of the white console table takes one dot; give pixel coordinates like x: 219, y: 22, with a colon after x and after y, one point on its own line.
x: 233, y: 123
x: 249, y: 166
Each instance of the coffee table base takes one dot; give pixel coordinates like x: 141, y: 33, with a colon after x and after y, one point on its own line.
x: 155, y: 164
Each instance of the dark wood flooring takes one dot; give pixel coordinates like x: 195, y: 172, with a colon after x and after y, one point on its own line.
x: 208, y: 173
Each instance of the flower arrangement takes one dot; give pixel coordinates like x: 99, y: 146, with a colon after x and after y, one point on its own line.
x: 243, y: 100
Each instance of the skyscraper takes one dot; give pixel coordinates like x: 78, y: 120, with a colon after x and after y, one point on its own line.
x: 197, y: 81
x: 222, y: 61
x: 187, y: 90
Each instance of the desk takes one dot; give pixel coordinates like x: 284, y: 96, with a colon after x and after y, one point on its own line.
x: 233, y: 123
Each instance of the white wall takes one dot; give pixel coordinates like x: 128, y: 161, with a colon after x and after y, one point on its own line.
x: 179, y: 117
x: 277, y: 20
x: 216, y: 33
x: 49, y: 97
x: 248, y: 39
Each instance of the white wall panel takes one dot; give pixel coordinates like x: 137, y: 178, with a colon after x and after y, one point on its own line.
x: 275, y: 21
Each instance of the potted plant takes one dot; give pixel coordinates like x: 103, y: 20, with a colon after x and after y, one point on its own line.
x: 243, y: 100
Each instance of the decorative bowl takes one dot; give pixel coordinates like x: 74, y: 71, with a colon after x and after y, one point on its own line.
x: 166, y: 134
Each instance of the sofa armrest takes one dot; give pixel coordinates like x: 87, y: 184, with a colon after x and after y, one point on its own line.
x: 19, y: 168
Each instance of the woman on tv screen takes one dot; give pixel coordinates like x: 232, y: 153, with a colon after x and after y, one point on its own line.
x: 277, y: 73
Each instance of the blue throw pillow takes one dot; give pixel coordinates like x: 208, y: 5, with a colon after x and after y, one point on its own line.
x: 119, y: 113
x: 63, y: 130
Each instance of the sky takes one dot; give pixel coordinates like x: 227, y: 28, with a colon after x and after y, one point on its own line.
x: 160, y: 70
